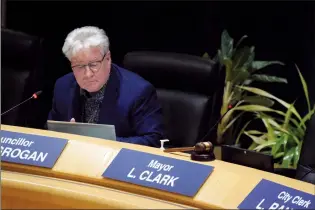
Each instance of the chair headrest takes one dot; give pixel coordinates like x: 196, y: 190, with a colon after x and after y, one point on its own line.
x: 18, y: 49
x: 174, y: 70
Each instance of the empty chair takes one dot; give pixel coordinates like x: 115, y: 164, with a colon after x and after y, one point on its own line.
x: 185, y: 86
x: 20, y: 62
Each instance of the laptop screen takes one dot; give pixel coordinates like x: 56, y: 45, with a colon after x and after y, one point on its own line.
x: 84, y: 129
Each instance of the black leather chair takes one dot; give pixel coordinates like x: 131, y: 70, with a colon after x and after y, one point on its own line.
x: 185, y: 86
x: 20, y: 68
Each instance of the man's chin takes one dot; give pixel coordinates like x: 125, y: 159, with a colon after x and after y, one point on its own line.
x: 92, y: 89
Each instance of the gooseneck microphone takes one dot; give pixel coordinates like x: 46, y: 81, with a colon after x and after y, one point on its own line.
x: 183, y: 149
x: 202, y: 151
x: 216, y: 123
x: 35, y: 96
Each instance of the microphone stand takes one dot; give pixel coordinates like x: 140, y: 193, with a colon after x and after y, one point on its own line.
x: 35, y: 95
x: 16, y: 105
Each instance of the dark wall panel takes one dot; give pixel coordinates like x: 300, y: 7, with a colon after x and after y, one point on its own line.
x: 279, y: 30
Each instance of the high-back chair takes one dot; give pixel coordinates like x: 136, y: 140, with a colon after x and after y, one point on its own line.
x: 185, y: 86
x: 20, y: 65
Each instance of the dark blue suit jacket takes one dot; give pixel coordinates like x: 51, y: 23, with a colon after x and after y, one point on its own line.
x: 130, y: 103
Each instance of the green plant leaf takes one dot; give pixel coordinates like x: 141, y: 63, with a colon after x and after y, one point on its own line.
x: 304, y: 84
x: 226, y: 45
x: 205, y: 55
x: 271, y: 121
x: 279, y: 142
x: 268, y: 95
x: 228, y: 69
x: 267, y: 78
x: 307, y: 117
x: 288, y: 116
x: 265, y: 152
x: 241, y: 56
x: 239, y: 75
x: 297, y: 155
x: 250, y: 59
x: 220, y: 57
x: 232, y: 121
x: 255, y: 132
x: 277, y: 119
x: 252, y: 146
x: 299, y: 131
x: 240, y: 41
x: 266, y: 144
x: 241, y: 132
x: 258, y: 100
x: 270, y: 130
x: 247, y: 82
x: 286, y: 140
x: 257, y: 65
x: 237, y: 95
x: 278, y: 155
x: 257, y: 139
x: 256, y: 108
x: 288, y: 157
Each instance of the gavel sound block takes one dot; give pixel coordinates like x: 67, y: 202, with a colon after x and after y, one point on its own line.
x: 202, y: 151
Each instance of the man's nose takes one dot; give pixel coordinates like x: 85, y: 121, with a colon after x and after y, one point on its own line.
x: 88, y: 72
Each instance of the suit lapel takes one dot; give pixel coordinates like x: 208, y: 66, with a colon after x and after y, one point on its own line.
x: 108, y: 110
x: 75, y: 109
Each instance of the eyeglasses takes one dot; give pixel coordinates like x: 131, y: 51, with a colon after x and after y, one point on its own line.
x: 93, y: 66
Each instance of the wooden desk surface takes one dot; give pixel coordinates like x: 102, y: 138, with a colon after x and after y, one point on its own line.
x: 85, y: 159
x: 27, y: 191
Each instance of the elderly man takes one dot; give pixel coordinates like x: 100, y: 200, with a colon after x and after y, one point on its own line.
x: 98, y: 91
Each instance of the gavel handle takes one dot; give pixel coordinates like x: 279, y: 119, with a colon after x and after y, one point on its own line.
x: 179, y: 149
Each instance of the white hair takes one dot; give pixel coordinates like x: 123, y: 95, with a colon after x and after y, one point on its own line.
x: 83, y: 38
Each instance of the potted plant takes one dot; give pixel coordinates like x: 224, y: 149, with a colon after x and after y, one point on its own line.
x: 284, y: 130
x: 240, y: 69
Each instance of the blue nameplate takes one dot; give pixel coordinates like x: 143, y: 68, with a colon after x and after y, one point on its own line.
x: 158, y: 172
x: 270, y: 195
x: 30, y: 149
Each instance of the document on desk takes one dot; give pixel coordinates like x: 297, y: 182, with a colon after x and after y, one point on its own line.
x: 84, y: 129
x: 159, y: 172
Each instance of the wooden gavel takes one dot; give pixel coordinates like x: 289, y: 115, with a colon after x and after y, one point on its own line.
x: 201, y: 147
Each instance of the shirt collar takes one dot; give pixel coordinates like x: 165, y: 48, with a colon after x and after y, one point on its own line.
x: 95, y: 95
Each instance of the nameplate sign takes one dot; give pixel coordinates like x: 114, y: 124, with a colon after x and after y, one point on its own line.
x: 31, y: 149
x: 154, y: 171
x: 270, y: 195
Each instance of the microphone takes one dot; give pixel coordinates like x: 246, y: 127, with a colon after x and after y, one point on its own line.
x: 217, y: 122
x: 202, y: 151
x: 35, y: 96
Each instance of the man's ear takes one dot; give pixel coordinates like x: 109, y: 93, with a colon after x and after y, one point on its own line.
x: 108, y: 56
x: 109, y: 59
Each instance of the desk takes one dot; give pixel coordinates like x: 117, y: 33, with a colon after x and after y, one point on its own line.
x: 27, y: 191
x: 85, y: 159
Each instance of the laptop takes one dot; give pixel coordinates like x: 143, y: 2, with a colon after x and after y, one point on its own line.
x: 84, y: 129
x: 247, y: 158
